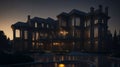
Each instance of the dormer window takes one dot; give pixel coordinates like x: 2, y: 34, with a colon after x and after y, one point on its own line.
x: 36, y: 25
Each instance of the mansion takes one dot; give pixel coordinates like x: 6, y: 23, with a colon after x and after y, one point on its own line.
x: 73, y: 31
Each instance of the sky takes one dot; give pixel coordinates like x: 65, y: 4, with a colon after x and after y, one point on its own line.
x: 12, y: 11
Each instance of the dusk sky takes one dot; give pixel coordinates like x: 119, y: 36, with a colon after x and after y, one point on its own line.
x: 12, y: 11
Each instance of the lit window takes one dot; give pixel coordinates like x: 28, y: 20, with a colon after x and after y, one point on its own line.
x: 17, y: 33
x: 35, y: 24
x: 96, y: 21
x: 95, y: 32
x: 47, y: 26
x: 37, y: 35
x: 56, y: 44
x: 25, y: 34
x: 63, y: 32
x: 88, y: 23
x: 77, y: 22
x: 42, y: 25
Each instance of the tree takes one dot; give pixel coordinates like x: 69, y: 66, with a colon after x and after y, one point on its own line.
x: 4, y: 42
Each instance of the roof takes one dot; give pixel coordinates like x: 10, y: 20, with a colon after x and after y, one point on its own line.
x: 20, y: 24
x: 75, y: 11
x: 63, y: 14
x: 37, y: 19
x: 50, y: 19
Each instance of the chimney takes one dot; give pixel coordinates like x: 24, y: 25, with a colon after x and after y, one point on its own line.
x: 91, y: 9
x: 100, y: 8
x: 106, y: 10
x: 28, y: 19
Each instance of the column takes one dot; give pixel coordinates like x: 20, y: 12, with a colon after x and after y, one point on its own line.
x: 14, y: 34
x: 99, y: 34
x: 92, y: 29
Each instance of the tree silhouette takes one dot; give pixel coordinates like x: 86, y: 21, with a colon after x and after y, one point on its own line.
x: 4, y: 42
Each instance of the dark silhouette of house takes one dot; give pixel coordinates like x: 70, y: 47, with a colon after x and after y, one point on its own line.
x: 76, y: 30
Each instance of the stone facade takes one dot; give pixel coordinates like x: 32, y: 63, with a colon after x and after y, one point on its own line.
x: 74, y: 31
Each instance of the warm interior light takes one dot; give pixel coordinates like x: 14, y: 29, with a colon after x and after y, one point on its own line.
x: 64, y: 33
x: 56, y: 44
x: 61, y: 65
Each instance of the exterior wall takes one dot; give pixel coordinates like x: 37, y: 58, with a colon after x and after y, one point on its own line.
x: 75, y: 32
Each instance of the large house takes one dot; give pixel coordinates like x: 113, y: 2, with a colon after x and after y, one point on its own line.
x: 74, y: 31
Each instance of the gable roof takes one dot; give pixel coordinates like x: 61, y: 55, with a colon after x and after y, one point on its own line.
x: 75, y: 11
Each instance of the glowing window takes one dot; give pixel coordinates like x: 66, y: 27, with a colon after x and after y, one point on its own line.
x: 35, y: 24
x: 17, y: 33
x: 63, y: 32
x: 47, y: 26
x: 56, y: 44
x: 77, y: 23
x: 96, y: 21
x: 88, y: 23
x: 25, y: 34
x: 95, y: 32
x: 37, y: 35
x: 42, y: 25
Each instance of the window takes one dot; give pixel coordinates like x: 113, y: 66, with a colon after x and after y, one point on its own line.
x: 63, y: 23
x: 73, y: 21
x: 47, y: 26
x: 77, y: 21
x: 95, y: 32
x: 35, y: 24
x: 63, y: 32
x: 88, y: 23
x: 89, y: 33
x: 96, y: 21
x: 37, y: 35
x: 17, y: 33
x: 42, y: 25
x: 25, y: 34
